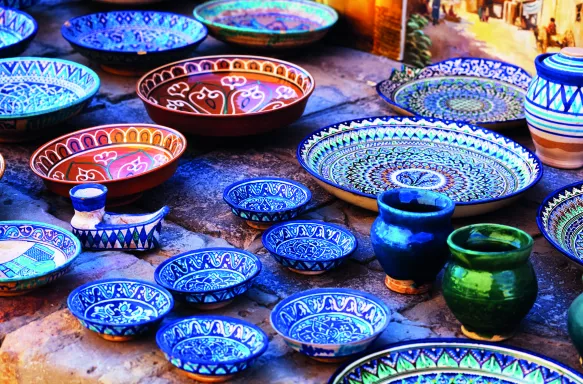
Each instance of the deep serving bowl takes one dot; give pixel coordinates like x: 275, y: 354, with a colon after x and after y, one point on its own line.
x: 330, y: 324
x: 127, y: 158
x: 264, y: 200
x: 132, y: 42
x: 480, y: 170
x: 120, y: 309
x: 38, y: 93
x: 454, y: 361
x: 309, y: 247
x: 17, y: 29
x: 267, y: 24
x: 212, y: 349
x: 209, y: 278
x: 33, y: 254
x: 226, y: 95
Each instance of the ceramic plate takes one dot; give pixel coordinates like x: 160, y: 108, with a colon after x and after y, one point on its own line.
x: 267, y: 24
x: 454, y: 361
x: 478, y: 169
x: 17, y: 29
x: 226, y: 95
x: 478, y: 91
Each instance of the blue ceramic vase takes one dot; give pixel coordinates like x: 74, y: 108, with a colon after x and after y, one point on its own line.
x: 409, y: 237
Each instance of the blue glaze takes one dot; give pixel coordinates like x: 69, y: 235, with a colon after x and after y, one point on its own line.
x: 88, y: 204
x: 19, y: 4
x: 310, y: 246
x: 17, y: 29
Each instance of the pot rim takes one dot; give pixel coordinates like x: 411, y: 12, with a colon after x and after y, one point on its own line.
x: 455, y: 246
x: 446, y: 210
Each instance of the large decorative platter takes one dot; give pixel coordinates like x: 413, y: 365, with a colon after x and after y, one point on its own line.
x: 128, y: 158
x: 17, y: 29
x: 485, y: 92
x: 478, y: 169
x: 131, y: 42
x: 33, y: 254
x: 37, y: 93
x: 271, y: 24
x: 454, y: 361
x: 226, y: 95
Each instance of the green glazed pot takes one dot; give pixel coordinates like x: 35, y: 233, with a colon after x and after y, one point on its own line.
x: 489, y: 284
x: 575, y: 324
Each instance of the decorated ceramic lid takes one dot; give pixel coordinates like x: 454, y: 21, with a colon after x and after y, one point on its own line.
x: 565, y: 67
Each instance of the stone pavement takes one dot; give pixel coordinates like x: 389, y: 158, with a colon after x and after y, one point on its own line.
x: 40, y: 342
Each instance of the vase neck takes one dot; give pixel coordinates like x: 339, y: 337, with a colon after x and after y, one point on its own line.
x: 415, y: 206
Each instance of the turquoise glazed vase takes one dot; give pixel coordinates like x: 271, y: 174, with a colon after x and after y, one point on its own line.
x: 411, y: 231
x: 489, y: 284
x: 575, y: 324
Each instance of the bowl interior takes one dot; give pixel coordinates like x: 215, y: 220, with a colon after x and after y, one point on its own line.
x: 133, y: 31
x: 107, y: 153
x: 267, y: 195
x: 15, y: 26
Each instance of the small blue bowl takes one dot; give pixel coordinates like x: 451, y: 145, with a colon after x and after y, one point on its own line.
x: 265, y: 200
x: 17, y: 29
x: 211, y: 348
x: 330, y: 324
x: 120, y: 309
x: 309, y: 247
x: 209, y: 278
x: 132, y: 42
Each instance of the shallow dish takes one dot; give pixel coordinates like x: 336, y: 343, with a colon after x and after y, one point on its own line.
x: 330, y: 324
x: 33, y: 254
x: 480, y: 170
x: 454, y: 361
x: 120, y: 309
x: 18, y: 3
x: 488, y: 93
x: 271, y: 24
x: 17, y: 29
x: 212, y: 349
x: 309, y: 247
x: 209, y: 278
x: 38, y: 93
x: 265, y: 200
x: 132, y: 42
x: 226, y: 95
x: 128, y: 158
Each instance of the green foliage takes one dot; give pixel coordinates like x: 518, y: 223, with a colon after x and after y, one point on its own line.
x: 417, y: 43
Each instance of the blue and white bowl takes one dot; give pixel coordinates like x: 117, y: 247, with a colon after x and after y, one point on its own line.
x: 330, y: 324
x: 211, y: 349
x: 209, y: 278
x: 309, y: 247
x: 120, y: 309
x: 17, y: 29
x: 132, y: 42
x: 265, y: 200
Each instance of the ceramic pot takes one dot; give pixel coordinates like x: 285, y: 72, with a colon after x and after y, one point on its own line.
x: 554, y: 108
x: 575, y: 324
x: 410, y: 231
x: 89, y: 204
x: 489, y: 284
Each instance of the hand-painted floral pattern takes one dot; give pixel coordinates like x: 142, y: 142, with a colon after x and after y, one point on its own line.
x: 123, y: 312
x: 18, y: 97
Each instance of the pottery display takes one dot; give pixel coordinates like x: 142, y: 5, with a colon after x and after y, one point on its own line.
x: 209, y: 278
x: 132, y: 42
x: 38, y: 93
x: 454, y: 361
x: 330, y: 324
x: 412, y: 230
x: 127, y: 158
x: 489, y: 284
x: 120, y: 309
x: 18, y: 4
x: 100, y: 230
x: 226, y: 95
x: 267, y: 24
x: 17, y: 29
x: 489, y: 93
x: 212, y: 349
x: 263, y: 201
x: 478, y: 169
x: 33, y: 254
x: 309, y: 247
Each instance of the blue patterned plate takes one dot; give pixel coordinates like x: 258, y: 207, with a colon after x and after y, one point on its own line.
x: 132, y: 42
x: 120, y: 309
x: 330, y: 324
x: 486, y: 92
x: 454, y: 361
x: 265, y: 200
x: 33, y: 254
x: 309, y: 247
x: 211, y: 349
x: 17, y: 29
x: 478, y: 169
x: 209, y: 278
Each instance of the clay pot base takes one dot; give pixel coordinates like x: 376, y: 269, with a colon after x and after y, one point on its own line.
x: 211, y: 306
x: 494, y: 338
x: 116, y: 338
x: 561, y: 164
x: 258, y: 225
x: 123, y: 72
x: 208, y: 378
x: 307, y: 273
x: 406, y: 287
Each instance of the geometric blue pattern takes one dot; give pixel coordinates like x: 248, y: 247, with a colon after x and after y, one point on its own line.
x: 17, y: 29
